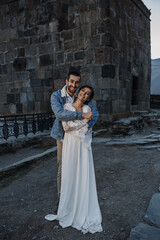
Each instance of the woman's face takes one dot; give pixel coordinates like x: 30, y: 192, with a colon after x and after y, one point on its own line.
x: 84, y: 94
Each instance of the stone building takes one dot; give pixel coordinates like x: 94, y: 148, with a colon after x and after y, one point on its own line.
x: 108, y: 40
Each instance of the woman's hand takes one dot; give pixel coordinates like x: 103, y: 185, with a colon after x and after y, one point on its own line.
x: 88, y: 116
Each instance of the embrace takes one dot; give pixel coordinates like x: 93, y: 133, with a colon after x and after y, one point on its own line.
x: 75, y: 116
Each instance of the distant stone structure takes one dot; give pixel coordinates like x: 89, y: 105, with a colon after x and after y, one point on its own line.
x: 108, y: 40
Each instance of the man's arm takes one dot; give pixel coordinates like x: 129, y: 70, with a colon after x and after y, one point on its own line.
x: 95, y: 113
x: 60, y: 112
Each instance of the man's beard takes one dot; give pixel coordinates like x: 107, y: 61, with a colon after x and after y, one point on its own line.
x: 71, y: 89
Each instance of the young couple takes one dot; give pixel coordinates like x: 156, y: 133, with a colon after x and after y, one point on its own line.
x: 75, y: 116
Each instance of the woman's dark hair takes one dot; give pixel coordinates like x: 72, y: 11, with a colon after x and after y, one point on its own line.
x: 87, y: 86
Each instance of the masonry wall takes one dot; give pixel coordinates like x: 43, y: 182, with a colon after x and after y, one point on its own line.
x: 109, y: 41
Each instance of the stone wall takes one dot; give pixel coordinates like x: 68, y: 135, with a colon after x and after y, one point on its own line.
x: 109, y: 41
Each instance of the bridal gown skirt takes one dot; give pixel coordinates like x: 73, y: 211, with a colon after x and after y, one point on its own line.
x: 78, y: 206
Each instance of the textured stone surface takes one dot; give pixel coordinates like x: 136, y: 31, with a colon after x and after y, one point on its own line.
x: 40, y: 40
x: 153, y: 212
x: 144, y: 232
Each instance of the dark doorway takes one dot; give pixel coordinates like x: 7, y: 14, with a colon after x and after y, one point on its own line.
x: 134, y: 90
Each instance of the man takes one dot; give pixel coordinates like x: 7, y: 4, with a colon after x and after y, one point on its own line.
x: 58, y: 99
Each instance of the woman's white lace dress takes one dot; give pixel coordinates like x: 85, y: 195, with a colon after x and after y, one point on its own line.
x: 78, y: 206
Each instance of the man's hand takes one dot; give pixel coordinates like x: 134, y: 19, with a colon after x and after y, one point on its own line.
x: 88, y: 116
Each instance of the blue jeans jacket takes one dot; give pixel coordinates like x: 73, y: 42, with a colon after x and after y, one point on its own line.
x: 58, y: 100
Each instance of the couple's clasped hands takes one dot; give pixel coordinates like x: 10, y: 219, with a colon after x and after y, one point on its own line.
x: 88, y: 116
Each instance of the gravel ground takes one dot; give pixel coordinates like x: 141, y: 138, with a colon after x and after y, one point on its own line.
x: 126, y: 180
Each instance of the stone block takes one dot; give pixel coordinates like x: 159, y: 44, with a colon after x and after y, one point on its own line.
x: 70, y: 45
x: 107, y: 39
x: 2, y: 98
x: 82, y: 43
x: 39, y: 97
x: 13, y: 34
x: 105, y: 26
x: 22, y: 42
x: 113, y: 94
x: 30, y: 97
x: 93, y: 29
x: 58, y: 84
x: 11, y: 108
x: 21, y: 4
x: 1, y: 58
x: 104, y: 3
x: 104, y: 83
x: 144, y: 232
x: 3, y: 47
x: 4, y: 35
x: 19, y: 108
x: 115, y: 106
x: 94, y: 41
x: 17, y: 98
x: 21, y: 52
x: 44, y: 39
x: 48, y: 74
x: 23, y: 97
x: 153, y: 211
x: 69, y: 57
x: 71, y: 22
x: 32, y: 63
x: 19, y: 64
x: 46, y: 82
x: 108, y: 71
x: 66, y: 35
x: 14, y: 90
x: 46, y: 60
x: 59, y: 58
x: 10, y: 98
x: 31, y: 50
x: 35, y: 82
x: 89, y: 56
x: 31, y: 32
x: 122, y: 105
x: 104, y: 55
x: 31, y: 107
x: 92, y: 6
x: 3, y: 69
x: 37, y: 107
x: 9, y: 56
x: 40, y: 73
x: 46, y: 48
x: 53, y: 26
x: 104, y: 107
x: 79, y: 55
x: 77, y: 33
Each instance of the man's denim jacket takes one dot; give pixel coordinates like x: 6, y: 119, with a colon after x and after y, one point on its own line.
x: 58, y: 100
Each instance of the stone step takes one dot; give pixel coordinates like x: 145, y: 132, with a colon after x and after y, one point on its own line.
x: 144, y: 232
x: 153, y: 211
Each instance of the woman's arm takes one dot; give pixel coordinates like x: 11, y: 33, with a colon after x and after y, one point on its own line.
x: 74, y: 125
x: 61, y: 113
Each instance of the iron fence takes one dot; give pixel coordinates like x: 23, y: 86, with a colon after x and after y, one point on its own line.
x: 25, y: 124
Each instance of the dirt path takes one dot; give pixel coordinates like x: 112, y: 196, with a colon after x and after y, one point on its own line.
x: 126, y: 180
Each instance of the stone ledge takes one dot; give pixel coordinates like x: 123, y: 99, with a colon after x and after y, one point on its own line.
x: 12, y: 168
x: 152, y: 215
x: 144, y: 232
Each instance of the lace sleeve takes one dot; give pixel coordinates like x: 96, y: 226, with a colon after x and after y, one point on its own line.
x: 74, y: 125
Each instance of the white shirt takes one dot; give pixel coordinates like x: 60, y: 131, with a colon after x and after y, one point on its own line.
x: 69, y: 99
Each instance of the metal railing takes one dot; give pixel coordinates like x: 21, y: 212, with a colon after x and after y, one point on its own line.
x: 25, y: 124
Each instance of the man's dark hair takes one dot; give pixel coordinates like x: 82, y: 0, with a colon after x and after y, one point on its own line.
x: 75, y: 72
x: 87, y: 86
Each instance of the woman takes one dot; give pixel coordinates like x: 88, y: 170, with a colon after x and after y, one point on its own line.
x: 78, y: 205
